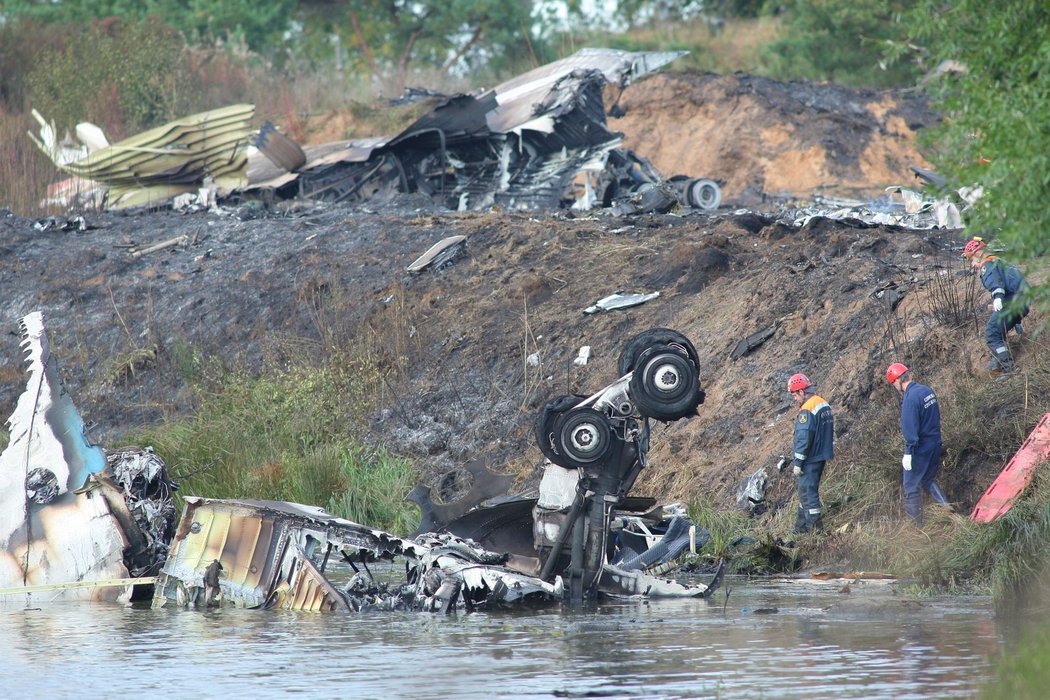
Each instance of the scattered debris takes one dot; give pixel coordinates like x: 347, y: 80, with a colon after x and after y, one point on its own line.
x: 583, y: 356
x: 620, y: 300
x: 1015, y: 476
x: 752, y: 493
x: 77, y: 523
x: 57, y: 223
x: 537, y: 141
x: 442, y: 252
x: 751, y: 342
x: 163, y: 245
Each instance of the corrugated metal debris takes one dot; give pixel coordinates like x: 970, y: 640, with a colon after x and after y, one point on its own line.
x: 154, y: 166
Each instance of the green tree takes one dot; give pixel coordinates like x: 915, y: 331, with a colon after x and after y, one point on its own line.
x: 843, y: 42
x: 996, y: 104
x: 387, y: 38
x: 123, y: 77
x: 256, y: 24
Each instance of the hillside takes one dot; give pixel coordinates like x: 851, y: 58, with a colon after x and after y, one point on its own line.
x: 254, y: 285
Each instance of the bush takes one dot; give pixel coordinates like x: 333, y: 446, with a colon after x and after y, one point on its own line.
x: 842, y: 42
x: 123, y: 77
x: 288, y: 435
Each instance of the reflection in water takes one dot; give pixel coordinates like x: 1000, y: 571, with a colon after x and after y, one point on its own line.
x: 816, y: 643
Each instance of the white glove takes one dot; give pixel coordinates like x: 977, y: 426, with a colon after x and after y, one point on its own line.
x: 906, y: 463
x: 796, y: 470
x: 997, y: 304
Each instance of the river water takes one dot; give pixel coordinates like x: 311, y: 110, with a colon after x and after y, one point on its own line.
x: 768, y: 639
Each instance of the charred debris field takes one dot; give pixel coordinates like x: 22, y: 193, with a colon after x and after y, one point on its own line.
x: 470, y: 350
x: 473, y: 348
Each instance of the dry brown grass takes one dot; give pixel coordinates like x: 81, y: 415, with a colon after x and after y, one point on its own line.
x: 25, y: 172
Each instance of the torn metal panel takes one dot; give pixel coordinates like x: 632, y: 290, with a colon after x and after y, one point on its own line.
x: 745, y: 346
x: 282, y: 150
x: 1015, y: 476
x: 752, y: 493
x: 438, y: 254
x: 620, y: 300
x: 484, y: 484
x: 260, y: 546
x: 618, y: 582
x: 517, y: 96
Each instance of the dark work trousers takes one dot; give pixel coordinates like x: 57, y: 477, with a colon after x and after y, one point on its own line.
x: 809, y: 513
x: 925, y: 464
x: 999, y: 324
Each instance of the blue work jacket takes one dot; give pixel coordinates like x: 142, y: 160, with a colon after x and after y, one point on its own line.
x: 814, y: 432
x: 920, y: 419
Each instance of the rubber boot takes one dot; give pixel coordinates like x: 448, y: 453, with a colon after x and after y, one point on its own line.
x: 1006, y: 363
x: 913, y: 508
x: 938, y: 496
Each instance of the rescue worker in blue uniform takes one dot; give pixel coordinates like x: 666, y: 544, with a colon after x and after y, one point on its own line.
x: 921, y: 428
x: 1010, y: 303
x: 813, y: 447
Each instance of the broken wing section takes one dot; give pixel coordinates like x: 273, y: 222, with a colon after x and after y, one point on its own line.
x: 151, y: 167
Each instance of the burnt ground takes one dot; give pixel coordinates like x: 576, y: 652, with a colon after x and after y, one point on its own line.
x: 257, y: 284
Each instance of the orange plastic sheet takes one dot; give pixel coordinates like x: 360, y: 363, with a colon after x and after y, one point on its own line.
x: 1013, y: 479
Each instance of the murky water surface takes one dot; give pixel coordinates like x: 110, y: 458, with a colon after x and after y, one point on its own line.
x: 767, y: 640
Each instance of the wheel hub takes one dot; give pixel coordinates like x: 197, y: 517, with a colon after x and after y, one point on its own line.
x: 585, y: 438
x: 666, y: 378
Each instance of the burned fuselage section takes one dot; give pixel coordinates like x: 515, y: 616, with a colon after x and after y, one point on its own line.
x: 274, y: 555
x: 539, y: 141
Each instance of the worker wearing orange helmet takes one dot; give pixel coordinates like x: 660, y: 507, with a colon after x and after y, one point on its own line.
x: 1009, y: 300
x: 813, y: 446
x: 921, y: 428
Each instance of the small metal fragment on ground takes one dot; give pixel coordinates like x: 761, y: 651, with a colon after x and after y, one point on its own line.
x: 438, y: 254
x: 620, y: 300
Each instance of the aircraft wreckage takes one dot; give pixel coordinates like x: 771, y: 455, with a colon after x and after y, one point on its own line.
x: 76, y: 523
x: 539, y: 141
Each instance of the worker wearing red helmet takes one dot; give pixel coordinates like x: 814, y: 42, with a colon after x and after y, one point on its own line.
x: 1009, y: 300
x: 813, y: 446
x: 921, y: 428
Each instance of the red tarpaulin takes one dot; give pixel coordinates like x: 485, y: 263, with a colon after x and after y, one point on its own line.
x: 1012, y: 480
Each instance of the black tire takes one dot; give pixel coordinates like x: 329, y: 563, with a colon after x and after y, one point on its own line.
x: 546, y: 421
x: 665, y: 385
x: 655, y: 337
x: 583, y: 438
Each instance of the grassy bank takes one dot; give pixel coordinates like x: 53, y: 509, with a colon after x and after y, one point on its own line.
x: 292, y: 433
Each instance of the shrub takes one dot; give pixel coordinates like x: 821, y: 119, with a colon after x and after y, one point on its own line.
x: 120, y: 76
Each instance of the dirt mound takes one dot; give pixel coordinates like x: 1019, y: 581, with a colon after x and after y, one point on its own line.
x: 763, y: 136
